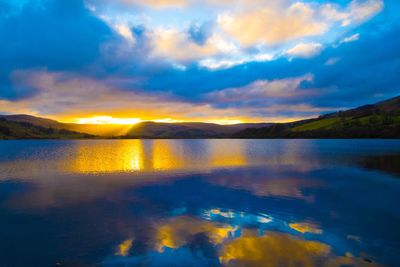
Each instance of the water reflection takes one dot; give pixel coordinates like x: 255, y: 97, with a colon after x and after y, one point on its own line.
x: 275, y: 249
x: 199, y: 203
x: 273, y: 182
x: 29, y: 158
x: 305, y: 227
x: 124, y: 247
x: 121, y: 156
x: 179, y: 231
x: 228, y: 243
x: 97, y: 157
x: 387, y: 162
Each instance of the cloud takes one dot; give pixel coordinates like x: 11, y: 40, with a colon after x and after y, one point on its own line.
x: 94, y: 58
x: 304, y: 50
x: 332, y: 61
x: 261, y: 90
x: 176, y: 45
x: 125, y: 32
x: 179, y: 46
x: 147, y: 3
x: 351, y: 38
x: 67, y: 96
x: 272, y: 26
x: 339, y: 74
x: 53, y: 34
x: 356, y: 12
x: 223, y: 63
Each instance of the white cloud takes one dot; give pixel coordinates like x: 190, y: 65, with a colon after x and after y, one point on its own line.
x: 174, y: 44
x: 332, y: 61
x: 305, y: 50
x: 351, y: 38
x: 211, y: 63
x: 356, y: 12
x: 125, y: 32
x: 149, y: 3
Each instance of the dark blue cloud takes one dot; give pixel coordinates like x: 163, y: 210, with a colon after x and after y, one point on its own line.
x: 52, y: 34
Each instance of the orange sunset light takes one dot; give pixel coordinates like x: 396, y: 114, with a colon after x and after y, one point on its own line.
x: 103, y: 120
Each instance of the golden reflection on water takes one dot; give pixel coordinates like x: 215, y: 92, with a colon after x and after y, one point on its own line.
x: 273, y: 249
x: 121, y: 156
x: 166, y: 156
x: 305, y: 227
x: 241, y: 246
x: 178, y: 232
x: 109, y: 156
x: 124, y: 247
x: 226, y: 154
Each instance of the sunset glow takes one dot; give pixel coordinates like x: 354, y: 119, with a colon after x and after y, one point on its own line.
x: 225, y: 62
x: 199, y: 133
x: 108, y: 120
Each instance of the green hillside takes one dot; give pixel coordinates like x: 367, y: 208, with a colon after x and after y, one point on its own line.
x: 380, y: 120
x: 317, y: 124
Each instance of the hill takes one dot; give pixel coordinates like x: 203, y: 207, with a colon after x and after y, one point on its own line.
x: 187, y: 130
x: 380, y: 120
x: 141, y: 130
x: 47, y: 123
x: 24, y: 130
x: 93, y: 129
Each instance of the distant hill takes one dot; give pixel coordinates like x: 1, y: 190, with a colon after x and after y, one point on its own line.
x: 25, y: 130
x: 380, y: 120
x: 48, y: 123
x: 93, y: 129
x: 140, y: 130
x: 187, y: 130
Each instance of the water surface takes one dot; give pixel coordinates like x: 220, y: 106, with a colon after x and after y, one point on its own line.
x: 200, y: 203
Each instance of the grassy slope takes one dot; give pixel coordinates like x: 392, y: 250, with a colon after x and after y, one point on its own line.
x: 316, y: 125
x: 383, y: 114
x: 332, y: 123
x: 381, y: 120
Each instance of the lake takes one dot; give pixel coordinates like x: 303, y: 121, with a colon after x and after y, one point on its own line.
x: 200, y: 203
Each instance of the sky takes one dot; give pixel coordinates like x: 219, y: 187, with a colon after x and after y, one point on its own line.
x: 222, y: 61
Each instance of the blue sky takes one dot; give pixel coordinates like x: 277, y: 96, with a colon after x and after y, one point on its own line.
x: 190, y: 60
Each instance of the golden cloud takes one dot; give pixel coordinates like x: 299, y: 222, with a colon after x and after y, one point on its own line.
x: 272, y: 26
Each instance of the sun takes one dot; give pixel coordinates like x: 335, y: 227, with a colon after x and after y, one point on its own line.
x: 108, y: 120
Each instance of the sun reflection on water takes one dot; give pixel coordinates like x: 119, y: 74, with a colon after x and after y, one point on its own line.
x: 109, y: 157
